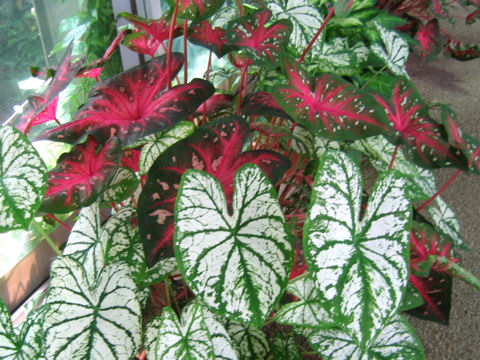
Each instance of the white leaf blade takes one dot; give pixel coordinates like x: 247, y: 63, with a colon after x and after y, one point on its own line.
x: 396, y: 50
x: 251, y: 343
x: 446, y: 222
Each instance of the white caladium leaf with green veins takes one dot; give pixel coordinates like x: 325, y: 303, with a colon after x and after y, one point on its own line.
x: 309, y: 311
x: 360, y: 266
x: 396, y: 341
x: 306, y: 143
x: 160, y: 271
x: 122, y: 186
x: 250, y: 342
x: 23, y: 180
x: 197, y: 336
x: 285, y: 347
x: 238, y: 264
x: 421, y: 183
x: 446, y: 222
x: 335, y: 56
x: 396, y: 51
x: 103, y: 321
x: 304, y: 16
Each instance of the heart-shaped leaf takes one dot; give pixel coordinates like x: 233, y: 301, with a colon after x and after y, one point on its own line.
x: 396, y: 52
x: 251, y: 343
x: 430, y: 40
x: 196, y: 336
x: 157, y: 29
x: 446, y: 222
x: 359, y: 266
x: 123, y: 185
x: 238, y: 264
x: 262, y: 42
x: 81, y: 175
x: 91, y: 322
x: 329, y: 106
x: 262, y: 103
x: 215, y: 39
x: 23, y: 180
x: 215, y: 104
x: 196, y: 9
x: 141, y: 43
x: 285, y: 347
x: 216, y: 148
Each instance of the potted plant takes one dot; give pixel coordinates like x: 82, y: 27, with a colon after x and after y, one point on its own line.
x: 236, y: 223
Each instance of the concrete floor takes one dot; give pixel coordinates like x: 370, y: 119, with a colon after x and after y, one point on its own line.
x: 457, y: 84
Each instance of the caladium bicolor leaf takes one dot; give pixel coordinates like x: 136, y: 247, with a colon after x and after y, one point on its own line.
x: 216, y: 148
x: 421, y: 183
x: 47, y: 114
x: 396, y: 340
x: 91, y: 322
x: 24, y: 342
x: 156, y: 144
x: 215, y: 39
x: 141, y: 43
x: 430, y: 40
x: 196, y: 336
x: 263, y: 42
x: 395, y: 53
x: 238, y: 264
x: 196, y: 9
x: 122, y: 186
x: 463, y: 52
x: 304, y: 16
x: 262, y: 103
x: 306, y: 143
x: 251, y: 343
x: 309, y: 310
x: 411, y: 299
x: 81, y: 175
x: 130, y: 158
x: 215, y: 104
x: 334, y: 56
x: 157, y: 29
x: 285, y: 347
x: 412, y: 125
x: 131, y: 105
x: 23, y: 180
x: 159, y: 272
x: 329, y: 106
x: 446, y: 222
x: 360, y: 266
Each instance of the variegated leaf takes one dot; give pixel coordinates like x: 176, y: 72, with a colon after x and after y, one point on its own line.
x: 251, y: 343
x: 123, y: 185
x: 396, y: 340
x: 334, y: 56
x: 396, y: 51
x: 285, y: 347
x: 237, y: 264
x: 446, y: 222
x: 197, y: 336
x: 23, y: 180
x: 160, y: 271
x: 360, y: 266
x: 309, y: 310
x: 306, y: 143
x: 103, y: 321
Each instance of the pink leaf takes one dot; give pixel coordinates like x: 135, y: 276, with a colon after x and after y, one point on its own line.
x: 202, y: 33
x: 47, y: 114
x: 430, y: 40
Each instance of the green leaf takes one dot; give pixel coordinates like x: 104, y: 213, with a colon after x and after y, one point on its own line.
x: 160, y: 271
x: 285, y: 347
x: 238, y: 264
x: 446, y: 222
x: 197, y: 336
x: 412, y: 298
x: 396, y: 51
x: 309, y: 311
x: 103, y: 321
x: 359, y: 266
x: 306, y: 143
x: 396, y: 340
x: 23, y: 180
x: 123, y: 185
x: 335, y: 57
x: 251, y: 343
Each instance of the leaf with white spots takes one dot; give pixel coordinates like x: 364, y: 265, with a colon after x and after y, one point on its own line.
x: 306, y: 143
x: 23, y: 180
x: 334, y: 56
x: 304, y: 16
x: 395, y: 53
x: 396, y: 340
x: 198, y: 335
x: 421, y: 183
x: 157, y: 143
x: 285, y: 347
x: 237, y: 262
x: 446, y: 222
x: 123, y: 185
x: 360, y: 266
x: 251, y: 343
x: 103, y: 321
x: 309, y: 311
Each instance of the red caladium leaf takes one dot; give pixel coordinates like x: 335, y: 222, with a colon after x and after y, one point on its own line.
x: 202, y: 33
x: 215, y: 104
x: 81, y: 175
x: 131, y: 105
x: 472, y: 17
x: 93, y: 73
x: 440, y: 8
x: 263, y: 43
x: 216, y: 148
x: 157, y: 29
x: 47, y: 114
x: 412, y: 125
x: 141, y: 43
x: 130, y: 158
x: 196, y: 9
x: 330, y: 106
x: 430, y: 40
x: 263, y: 104
x: 461, y: 51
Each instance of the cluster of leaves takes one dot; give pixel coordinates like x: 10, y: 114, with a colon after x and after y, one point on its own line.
x: 232, y: 211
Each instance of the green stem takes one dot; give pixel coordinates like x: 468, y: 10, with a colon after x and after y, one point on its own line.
x: 269, y: 321
x: 374, y: 76
x: 47, y: 237
x: 458, y: 271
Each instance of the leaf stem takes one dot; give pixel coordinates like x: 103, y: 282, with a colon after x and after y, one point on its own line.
x: 47, y: 237
x: 394, y: 155
x: 57, y: 220
x: 306, y: 51
x: 185, y: 51
x: 443, y: 188
x: 240, y: 87
x: 170, y: 43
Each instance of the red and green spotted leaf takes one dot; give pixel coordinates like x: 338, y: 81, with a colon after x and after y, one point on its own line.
x: 157, y: 29
x: 263, y: 42
x: 330, y: 106
x: 216, y: 148
x: 411, y: 124
x: 215, y: 104
x: 141, y: 43
x: 132, y: 105
x: 196, y: 9
x: 264, y: 104
x: 463, y: 52
x: 215, y: 39
x: 81, y: 175
x: 430, y: 40
x: 47, y: 114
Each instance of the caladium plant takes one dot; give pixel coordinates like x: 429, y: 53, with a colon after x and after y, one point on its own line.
x: 232, y: 221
